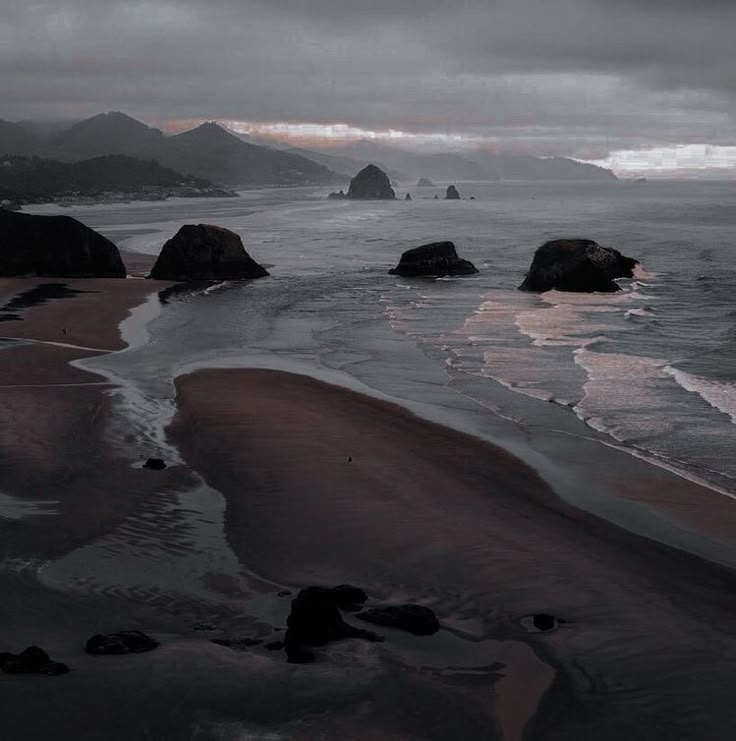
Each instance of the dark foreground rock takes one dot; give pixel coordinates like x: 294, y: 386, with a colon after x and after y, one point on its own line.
x: 33, y: 660
x: 433, y: 260
x: 578, y: 265
x: 205, y: 252
x: 371, y: 183
x: 315, y: 620
x: 543, y: 621
x: 155, y: 464
x: 55, y: 246
x: 415, y: 619
x: 451, y: 193
x: 124, y: 642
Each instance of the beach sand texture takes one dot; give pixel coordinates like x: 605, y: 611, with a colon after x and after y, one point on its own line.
x: 419, y: 513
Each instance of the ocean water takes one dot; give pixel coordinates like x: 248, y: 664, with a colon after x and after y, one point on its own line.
x: 651, y: 369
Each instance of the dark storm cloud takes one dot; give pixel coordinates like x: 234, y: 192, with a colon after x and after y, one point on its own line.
x: 563, y: 75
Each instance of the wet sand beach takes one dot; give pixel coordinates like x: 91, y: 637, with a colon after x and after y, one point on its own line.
x: 322, y: 485
x: 425, y: 513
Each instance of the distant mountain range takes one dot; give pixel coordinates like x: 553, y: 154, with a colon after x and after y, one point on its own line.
x: 212, y: 152
x: 36, y: 180
x: 209, y: 151
x: 474, y: 165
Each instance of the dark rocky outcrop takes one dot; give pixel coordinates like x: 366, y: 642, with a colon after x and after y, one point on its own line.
x: 579, y: 265
x: 451, y: 193
x: 425, y: 183
x: 337, y: 196
x: 205, y: 252
x: 155, y: 464
x: 543, y: 621
x: 407, y: 197
x: 371, y: 183
x: 33, y: 660
x: 55, y: 246
x: 433, y: 260
x: 124, y: 642
x: 315, y: 620
x: 415, y: 619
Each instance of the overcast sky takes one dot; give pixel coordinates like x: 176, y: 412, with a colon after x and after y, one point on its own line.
x: 577, y: 77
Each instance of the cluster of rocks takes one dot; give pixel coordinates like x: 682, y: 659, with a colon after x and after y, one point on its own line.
x: 62, y: 246
x: 34, y: 660
x: 316, y: 620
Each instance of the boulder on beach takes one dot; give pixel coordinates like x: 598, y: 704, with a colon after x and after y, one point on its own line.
x: 33, y: 660
x: 415, y: 619
x: 451, y: 193
x: 55, y: 246
x: 425, y: 183
x: 155, y: 464
x: 433, y: 260
x: 371, y: 183
x: 205, y: 252
x: 315, y: 620
x: 579, y: 265
x: 124, y: 642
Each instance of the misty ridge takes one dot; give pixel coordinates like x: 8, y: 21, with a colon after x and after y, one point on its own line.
x: 216, y: 155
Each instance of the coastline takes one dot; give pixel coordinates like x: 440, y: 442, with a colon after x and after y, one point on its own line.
x: 422, y: 513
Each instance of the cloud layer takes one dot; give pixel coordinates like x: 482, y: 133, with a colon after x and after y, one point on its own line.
x: 552, y: 76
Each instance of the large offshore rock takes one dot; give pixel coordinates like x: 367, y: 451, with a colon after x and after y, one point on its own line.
x: 579, y: 265
x: 205, y: 252
x: 371, y: 183
x: 451, y: 193
x: 433, y: 260
x: 55, y: 246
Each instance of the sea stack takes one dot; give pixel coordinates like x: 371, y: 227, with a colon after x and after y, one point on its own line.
x: 578, y: 265
x: 371, y: 183
x: 408, y: 197
x: 433, y: 260
x: 425, y: 183
x: 205, y: 252
x: 56, y: 246
x: 451, y: 193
